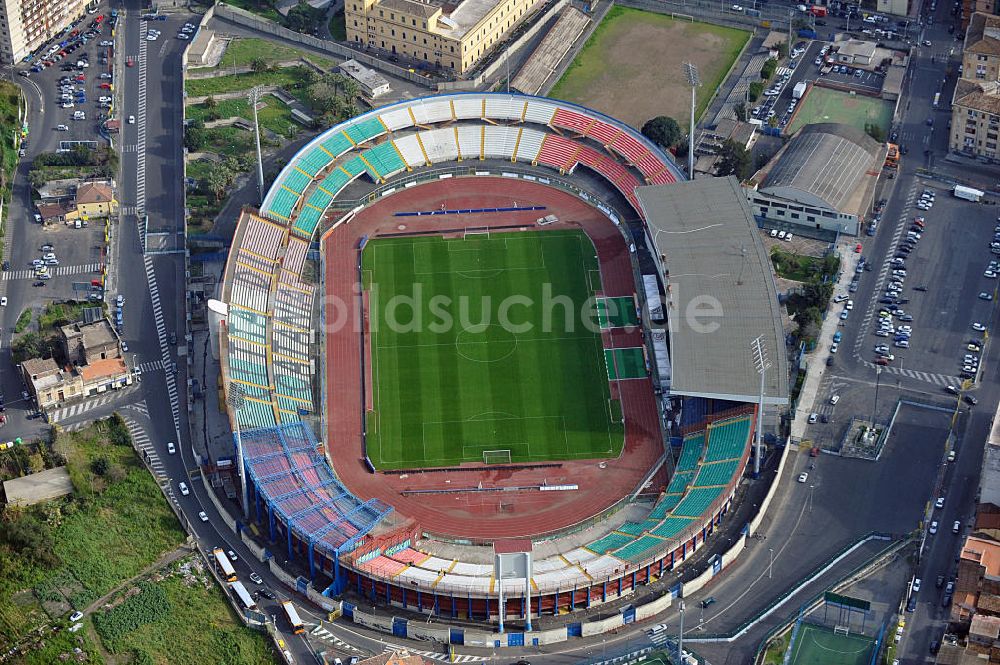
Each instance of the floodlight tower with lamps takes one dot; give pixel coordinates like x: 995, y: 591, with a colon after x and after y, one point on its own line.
x: 236, y: 400
x: 253, y: 96
x: 694, y: 80
x: 761, y: 364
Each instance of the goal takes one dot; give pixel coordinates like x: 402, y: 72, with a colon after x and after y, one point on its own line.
x: 496, y: 457
x: 477, y: 232
x: 841, y: 630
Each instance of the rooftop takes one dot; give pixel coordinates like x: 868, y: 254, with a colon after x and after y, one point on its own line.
x: 40, y: 367
x: 977, y: 95
x: 721, y: 294
x: 857, y: 47
x: 96, y: 334
x: 103, y: 369
x: 38, y: 487
x: 826, y: 165
x: 984, y: 552
x: 983, y: 34
x: 367, y: 77
x: 459, y: 17
x: 985, y: 626
x: 989, y: 480
x: 94, y: 192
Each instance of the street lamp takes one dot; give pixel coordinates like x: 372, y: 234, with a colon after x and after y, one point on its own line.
x: 694, y: 80
x: 253, y: 96
x: 761, y: 364
x: 878, y: 377
x: 236, y: 399
x: 770, y: 564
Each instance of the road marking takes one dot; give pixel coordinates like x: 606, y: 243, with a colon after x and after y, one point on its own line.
x: 161, y: 333
x: 90, y: 404
x: 55, y: 271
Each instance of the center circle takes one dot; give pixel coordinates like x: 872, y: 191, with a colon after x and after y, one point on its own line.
x: 488, y: 344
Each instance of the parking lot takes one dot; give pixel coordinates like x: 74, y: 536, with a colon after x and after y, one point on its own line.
x: 854, y: 77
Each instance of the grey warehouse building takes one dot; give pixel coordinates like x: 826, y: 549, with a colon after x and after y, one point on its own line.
x: 821, y: 183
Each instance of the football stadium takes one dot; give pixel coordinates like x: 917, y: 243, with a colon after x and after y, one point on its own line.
x: 473, y: 324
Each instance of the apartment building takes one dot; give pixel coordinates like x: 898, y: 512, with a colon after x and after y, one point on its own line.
x: 446, y: 33
x: 970, y: 7
x: 975, y: 105
x: 26, y: 25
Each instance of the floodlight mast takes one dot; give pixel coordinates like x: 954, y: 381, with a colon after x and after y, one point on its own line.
x: 694, y: 80
x: 236, y: 400
x: 761, y: 363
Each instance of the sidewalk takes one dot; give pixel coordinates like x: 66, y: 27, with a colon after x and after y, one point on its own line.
x: 817, y: 364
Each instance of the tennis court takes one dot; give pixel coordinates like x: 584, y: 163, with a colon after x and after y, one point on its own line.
x: 479, y: 346
x: 826, y: 105
x: 819, y: 645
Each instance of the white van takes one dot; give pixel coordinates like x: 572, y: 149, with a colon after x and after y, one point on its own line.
x: 834, y: 399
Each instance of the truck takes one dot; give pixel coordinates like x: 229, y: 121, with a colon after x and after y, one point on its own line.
x: 818, y: 11
x: 293, y: 617
x: 799, y: 90
x: 967, y: 193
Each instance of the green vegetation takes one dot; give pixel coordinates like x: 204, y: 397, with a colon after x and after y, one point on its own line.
x: 338, y: 26
x: 827, y: 105
x: 45, y: 342
x: 802, y: 268
x: 755, y: 90
x: 663, y: 130
x: 23, y: 321
x: 197, y: 625
x: 263, y: 8
x: 67, y: 553
x: 147, y: 606
x: 610, y: 74
x: 80, y: 162
x: 243, y: 52
x: 775, y: 653
x: 285, y: 77
x: 273, y: 114
x: 768, y: 69
x: 734, y: 159
x: 531, y: 380
x: 806, y: 306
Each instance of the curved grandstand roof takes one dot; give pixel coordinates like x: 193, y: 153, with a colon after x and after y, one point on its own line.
x: 824, y: 165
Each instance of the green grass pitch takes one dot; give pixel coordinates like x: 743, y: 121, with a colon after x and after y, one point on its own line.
x: 450, y: 380
x: 816, y: 645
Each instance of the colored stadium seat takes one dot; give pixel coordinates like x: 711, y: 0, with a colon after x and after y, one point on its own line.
x: 728, y: 439
x: 716, y: 473
x: 365, y: 130
x: 336, y: 144
x: 315, y: 161
x: 697, y: 502
x: 671, y: 527
x: 307, y: 219
x: 640, y: 548
x: 297, y: 181
x: 691, y: 451
x: 572, y: 120
x: 609, y: 542
x: 385, y: 159
x: 680, y: 481
x: 283, y: 203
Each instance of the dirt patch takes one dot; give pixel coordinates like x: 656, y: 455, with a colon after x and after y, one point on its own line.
x: 631, y: 67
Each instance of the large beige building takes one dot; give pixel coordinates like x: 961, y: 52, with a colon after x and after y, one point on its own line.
x: 455, y: 34
x: 975, y: 105
x: 26, y: 25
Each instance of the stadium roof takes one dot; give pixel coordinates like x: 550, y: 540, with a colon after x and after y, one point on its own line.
x: 715, y: 260
x: 826, y: 165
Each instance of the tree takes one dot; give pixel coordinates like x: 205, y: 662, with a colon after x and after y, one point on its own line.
x: 195, y: 139
x: 303, y: 18
x: 210, y: 102
x: 768, y: 68
x: 741, y: 112
x: 100, y: 466
x: 755, y: 90
x: 258, y: 65
x: 735, y: 160
x: 875, y: 132
x: 663, y: 130
x: 782, y: 49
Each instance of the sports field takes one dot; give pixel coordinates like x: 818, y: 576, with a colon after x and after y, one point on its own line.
x: 630, y: 68
x: 817, y: 645
x: 486, y: 343
x: 826, y: 105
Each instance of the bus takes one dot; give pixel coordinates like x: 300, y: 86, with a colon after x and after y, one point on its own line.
x: 293, y: 617
x: 241, y: 594
x: 225, y: 568
x: 937, y: 99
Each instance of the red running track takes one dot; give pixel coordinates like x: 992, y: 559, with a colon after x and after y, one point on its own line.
x: 479, y: 516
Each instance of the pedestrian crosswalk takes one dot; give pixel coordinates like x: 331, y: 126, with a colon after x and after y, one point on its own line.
x: 161, y: 333
x: 55, y: 271
x: 437, y: 655
x: 322, y: 633
x: 150, y: 366
x: 927, y: 377
x: 127, y: 210
x: 148, y: 452
x: 80, y: 408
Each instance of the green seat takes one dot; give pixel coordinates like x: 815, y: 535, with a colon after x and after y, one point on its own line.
x: 333, y: 183
x: 609, y: 542
x: 671, y: 526
x: 315, y: 161
x: 385, y: 159
x: 716, y: 473
x: 307, y: 220
x: 365, y: 130
x: 297, y: 181
x: 319, y: 198
x: 691, y: 451
x: 680, y: 481
x: 639, y: 548
x: 728, y: 440
x: 697, y: 501
x: 337, y: 144
x: 282, y: 204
